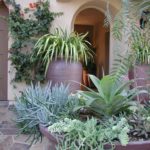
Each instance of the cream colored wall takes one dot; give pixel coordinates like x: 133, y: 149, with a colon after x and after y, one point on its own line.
x: 70, y: 9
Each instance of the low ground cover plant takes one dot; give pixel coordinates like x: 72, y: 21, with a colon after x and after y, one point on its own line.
x: 90, y: 135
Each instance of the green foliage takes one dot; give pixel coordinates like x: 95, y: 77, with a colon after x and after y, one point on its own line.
x: 121, y: 65
x: 141, y: 45
x: 42, y: 105
x: 120, y: 22
x: 139, y: 120
x: 111, y: 97
x: 138, y: 6
x: 127, y: 24
x: 90, y: 135
x: 140, y: 126
x: 25, y: 33
x: 130, y: 12
x: 147, y: 106
x: 108, y: 16
x: 60, y: 44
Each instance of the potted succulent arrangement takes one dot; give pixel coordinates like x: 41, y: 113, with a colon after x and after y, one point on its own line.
x: 112, y: 120
x: 62, y: 54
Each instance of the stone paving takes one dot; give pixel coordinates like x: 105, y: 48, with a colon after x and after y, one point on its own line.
x: 8, y: 132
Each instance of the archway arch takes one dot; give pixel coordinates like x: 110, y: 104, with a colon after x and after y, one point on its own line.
x: 98, y: 5
x: 91, y: 20
x: 3, y: 51
x: 82, y: 8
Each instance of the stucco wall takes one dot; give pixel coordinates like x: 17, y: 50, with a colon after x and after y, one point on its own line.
x: 70, y: 9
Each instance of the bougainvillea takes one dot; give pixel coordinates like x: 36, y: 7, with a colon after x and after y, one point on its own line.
x: 25, y: 32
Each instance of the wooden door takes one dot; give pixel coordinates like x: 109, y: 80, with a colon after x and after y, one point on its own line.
x: 107, y: 40
x: 3, y: 52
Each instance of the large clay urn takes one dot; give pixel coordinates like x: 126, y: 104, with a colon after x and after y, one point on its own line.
x: 141, y: 74
x: 60, y: 71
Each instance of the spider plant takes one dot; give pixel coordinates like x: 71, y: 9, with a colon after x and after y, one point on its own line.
x: 141, y: 45
x: 63, y: 45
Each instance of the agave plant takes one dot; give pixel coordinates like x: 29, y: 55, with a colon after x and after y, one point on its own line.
x: 60, y: 44
x: 110, y: 98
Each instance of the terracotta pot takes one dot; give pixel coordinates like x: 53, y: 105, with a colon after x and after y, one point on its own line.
x: 66, y: 72
x: 142, y: 75
x: 143, y: 145
x: 85, y: 79
x: 140, y: 145
x: 52, y: 141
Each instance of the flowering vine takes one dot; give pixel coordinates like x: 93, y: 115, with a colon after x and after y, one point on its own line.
x: 25, y: 32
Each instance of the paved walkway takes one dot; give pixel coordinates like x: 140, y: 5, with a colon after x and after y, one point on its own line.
x: 8, y: 132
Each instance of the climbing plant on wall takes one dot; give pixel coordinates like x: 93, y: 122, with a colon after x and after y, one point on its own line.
x: 25, y: 27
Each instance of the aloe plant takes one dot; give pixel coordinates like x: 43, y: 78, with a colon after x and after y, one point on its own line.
x: 110, y: 98
x: 60, y: 44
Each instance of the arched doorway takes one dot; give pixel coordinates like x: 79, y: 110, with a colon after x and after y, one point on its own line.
x: 3, y: 51
x: 91, y: 20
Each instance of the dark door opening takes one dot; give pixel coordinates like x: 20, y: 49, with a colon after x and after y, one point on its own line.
x: 92, y: 21
x: 91, y: 67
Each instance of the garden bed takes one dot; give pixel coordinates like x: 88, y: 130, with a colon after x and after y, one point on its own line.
x: 139, y: 145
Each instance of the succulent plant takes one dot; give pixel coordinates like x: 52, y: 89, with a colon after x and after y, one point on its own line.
x: 89, y: 135
x: 140, y: 126
x: 42, y: 105
x: 111, y: 96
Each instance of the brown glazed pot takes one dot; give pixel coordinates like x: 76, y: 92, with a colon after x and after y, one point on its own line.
x: 66, y: 72
x: 142, y: 75
x: 52, y: 142
x: 140, y: 145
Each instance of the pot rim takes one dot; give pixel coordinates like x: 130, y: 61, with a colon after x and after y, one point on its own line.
x: 51, y: 136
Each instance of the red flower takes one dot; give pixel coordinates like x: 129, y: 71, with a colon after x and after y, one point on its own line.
x: 30, y: 5
x: 33, y: 5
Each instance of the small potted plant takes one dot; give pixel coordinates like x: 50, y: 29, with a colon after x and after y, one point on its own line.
x: 140, y: 46
x: 62, y: 54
